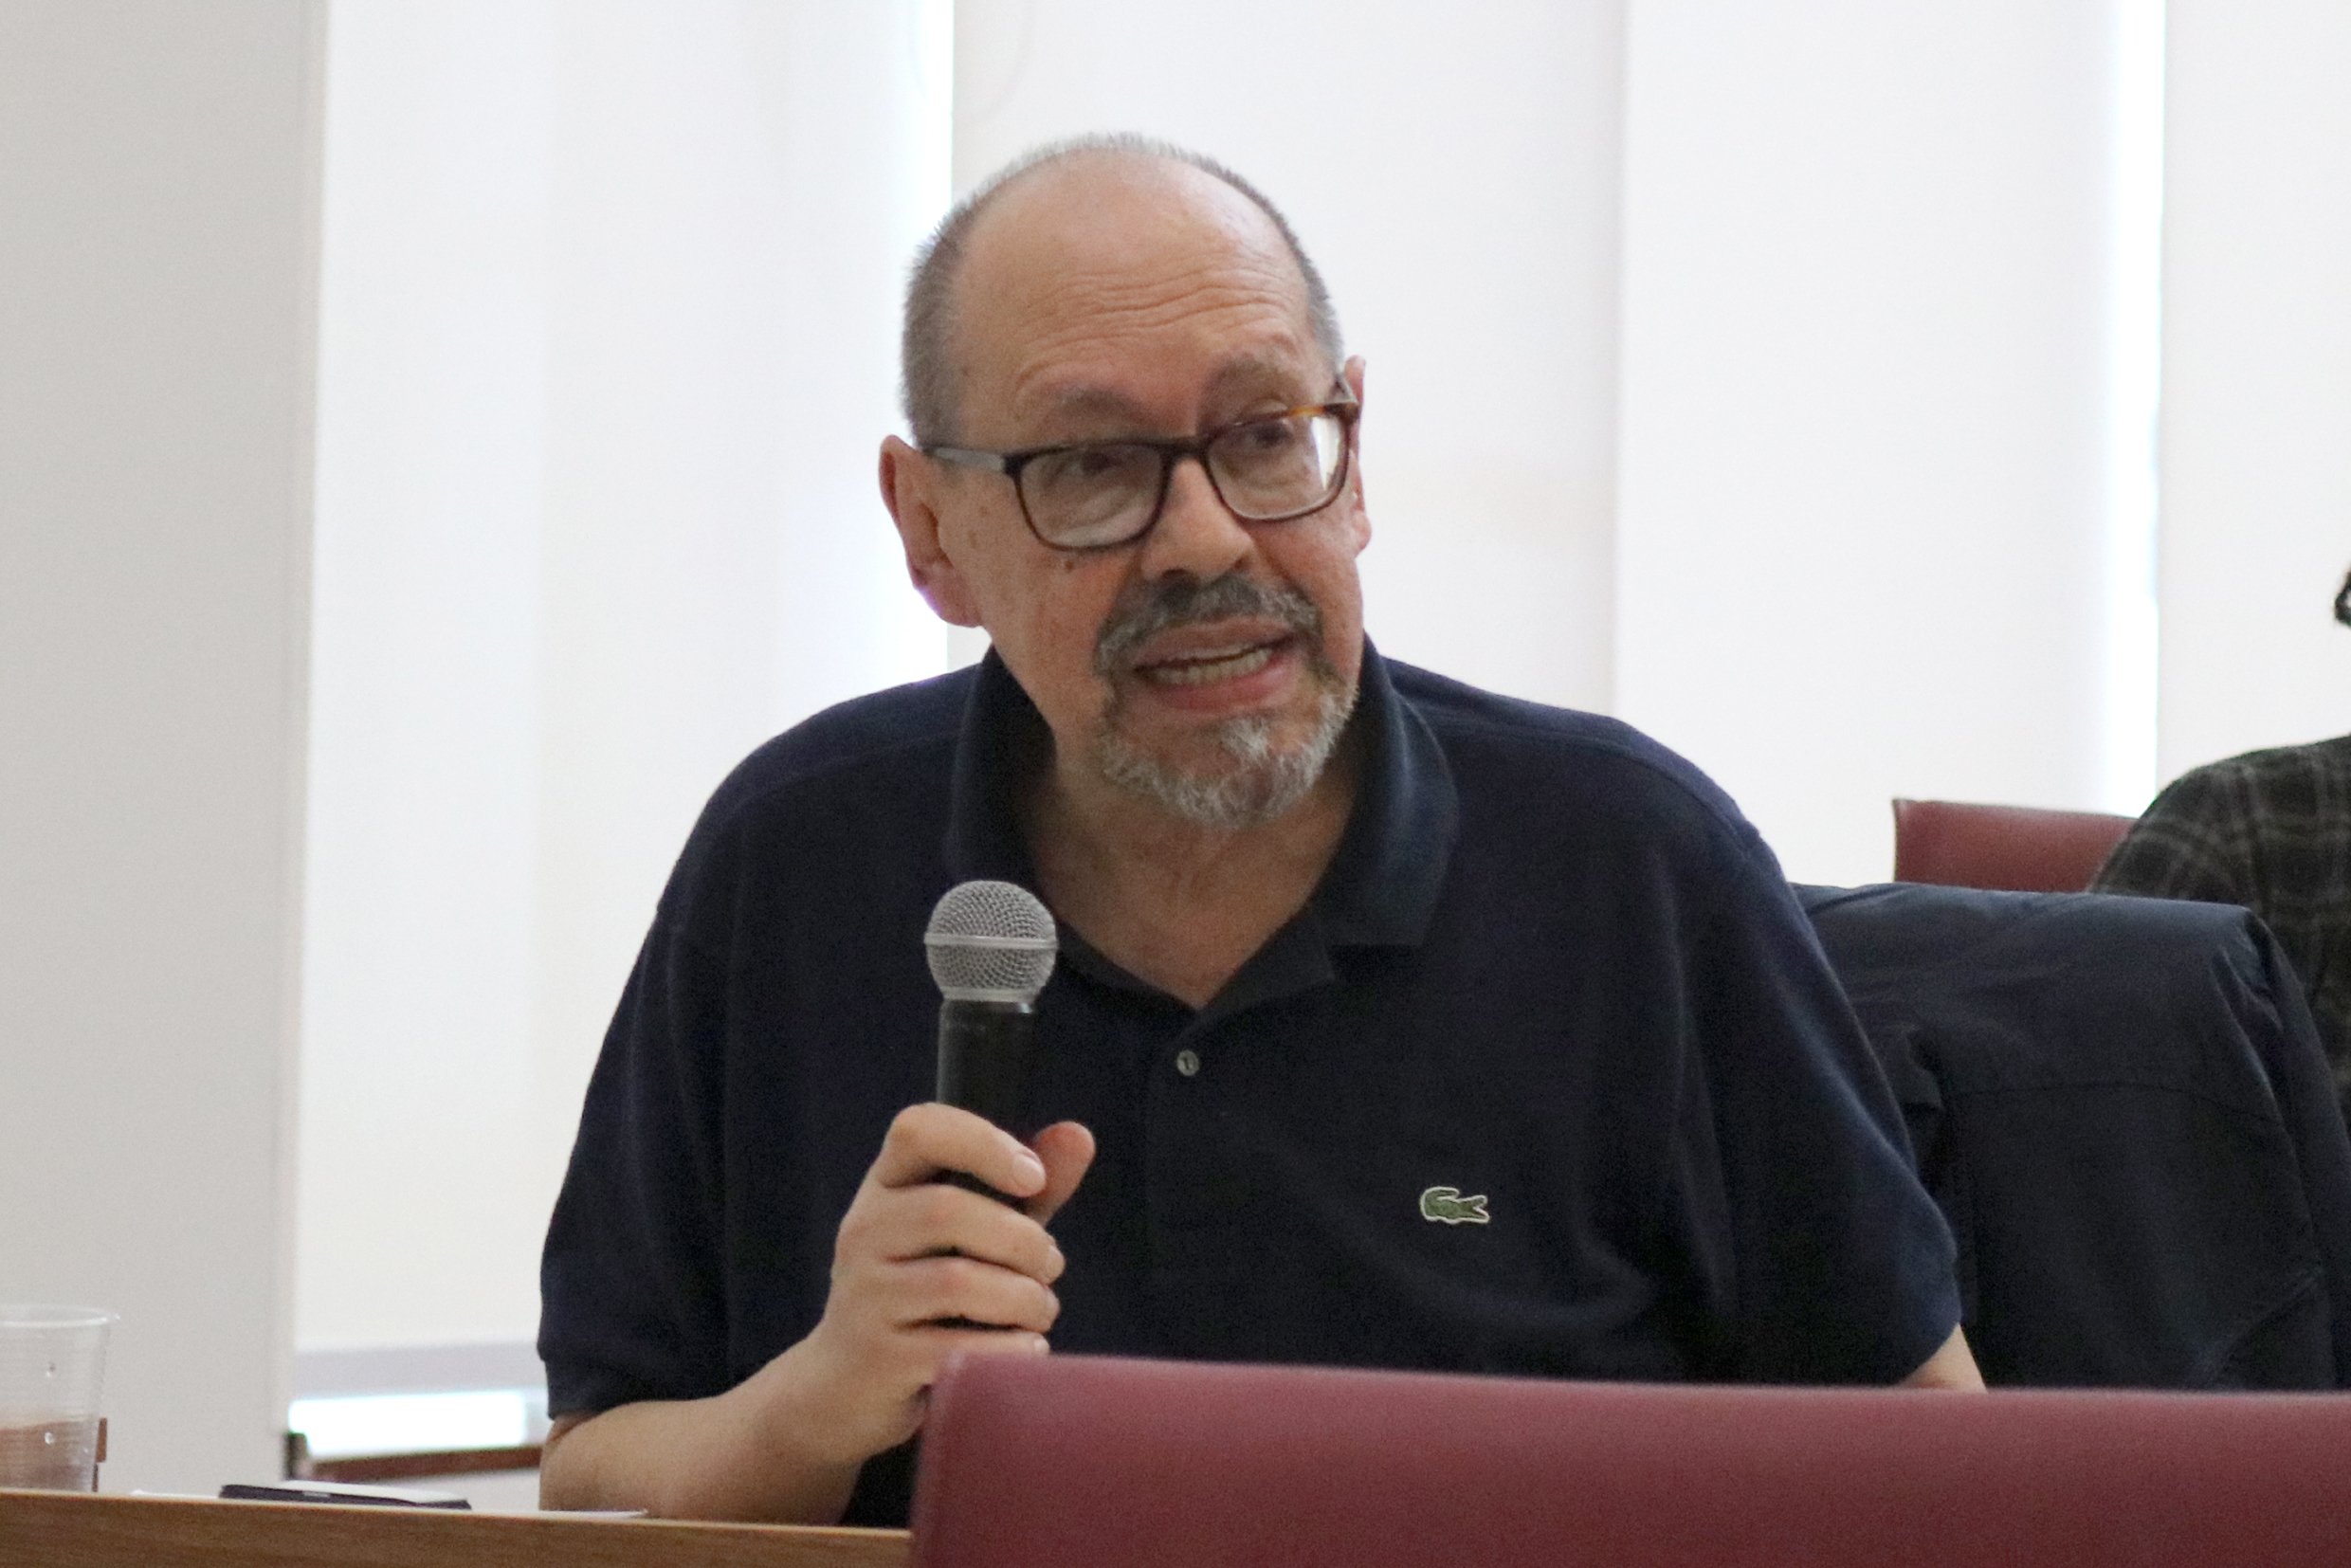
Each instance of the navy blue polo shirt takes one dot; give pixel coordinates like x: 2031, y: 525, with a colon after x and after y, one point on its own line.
x: 1549, y: 1077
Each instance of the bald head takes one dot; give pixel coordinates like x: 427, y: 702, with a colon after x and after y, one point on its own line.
x: 1096, y: 203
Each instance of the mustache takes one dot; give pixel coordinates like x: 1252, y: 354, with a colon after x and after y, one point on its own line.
x: 1182, y: 601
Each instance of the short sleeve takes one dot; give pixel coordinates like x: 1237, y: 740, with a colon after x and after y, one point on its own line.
x: 633, y: 1298
x: 1840, y: 1266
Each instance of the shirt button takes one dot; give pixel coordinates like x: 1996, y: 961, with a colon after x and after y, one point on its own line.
x: 1188, y: 1063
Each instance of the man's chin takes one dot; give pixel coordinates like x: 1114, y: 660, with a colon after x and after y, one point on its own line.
x: 1254, y: 775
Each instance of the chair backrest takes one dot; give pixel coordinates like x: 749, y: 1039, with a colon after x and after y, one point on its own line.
x: 1113, y: 1464
x: 2011, y: 849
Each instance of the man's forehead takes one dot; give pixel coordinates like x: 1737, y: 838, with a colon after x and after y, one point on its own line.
x: 1107, y: 250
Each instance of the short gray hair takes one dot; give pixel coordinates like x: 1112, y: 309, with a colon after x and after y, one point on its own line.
x: 926, y: 388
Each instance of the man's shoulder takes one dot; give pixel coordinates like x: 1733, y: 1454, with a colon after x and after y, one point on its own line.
x: 2292, y: 788
x: 2278, y: 765
x: 896, y: 736
x: 1493, y: 736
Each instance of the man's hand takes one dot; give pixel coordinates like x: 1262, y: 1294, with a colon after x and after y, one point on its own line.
x: 915, y: 1264
x: 1952, y: 1366
x: 916, y: 1257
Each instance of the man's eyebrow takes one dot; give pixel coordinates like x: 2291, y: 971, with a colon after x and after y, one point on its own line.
x: 1246, y: 370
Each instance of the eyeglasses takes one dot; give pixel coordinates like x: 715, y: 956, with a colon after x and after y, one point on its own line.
x: 1094, y: 495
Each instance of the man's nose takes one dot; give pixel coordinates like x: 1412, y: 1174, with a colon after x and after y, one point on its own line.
x: 1197, y: 534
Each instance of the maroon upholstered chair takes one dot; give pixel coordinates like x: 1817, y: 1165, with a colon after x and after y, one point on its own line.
x: 2010, y: 848
x: 1116, y: 1464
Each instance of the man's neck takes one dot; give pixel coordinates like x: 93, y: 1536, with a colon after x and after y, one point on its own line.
x: 1173, y: 902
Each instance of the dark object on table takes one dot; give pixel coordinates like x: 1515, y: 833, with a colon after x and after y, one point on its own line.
x: 341, y: 1493
x: 2124, y: 1110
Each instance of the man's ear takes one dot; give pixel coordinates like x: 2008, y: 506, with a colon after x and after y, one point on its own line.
x: 1353, y: 376
x: 909, y: 489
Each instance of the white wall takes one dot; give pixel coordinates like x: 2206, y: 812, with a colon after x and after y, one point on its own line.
x: 1453, y: 171
x: 1867, y: 477
x: 157, y: 177
x: 609, y: 325
x: 2257, y: 434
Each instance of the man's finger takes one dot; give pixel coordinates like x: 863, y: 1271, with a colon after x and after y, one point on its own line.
x: 988, y: 1341
x: 927, y: 1140
x: 899, y: 1225
x: 966, y: 1291
x: 1067, y: 1151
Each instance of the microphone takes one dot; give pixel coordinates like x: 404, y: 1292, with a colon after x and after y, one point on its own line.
x: 990, y: 947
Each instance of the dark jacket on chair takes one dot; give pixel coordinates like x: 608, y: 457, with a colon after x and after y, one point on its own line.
x: 2125, y: 1110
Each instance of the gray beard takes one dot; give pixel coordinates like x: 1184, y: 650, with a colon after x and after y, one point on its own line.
x: 1266, y: 780
x: 1264, y: 783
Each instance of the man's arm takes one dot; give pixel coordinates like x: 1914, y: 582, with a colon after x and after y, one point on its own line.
x: 912, y: 1256
x: 1953, y: 1367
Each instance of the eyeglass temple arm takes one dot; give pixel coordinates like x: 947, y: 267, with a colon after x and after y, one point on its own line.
x: 994, y: 462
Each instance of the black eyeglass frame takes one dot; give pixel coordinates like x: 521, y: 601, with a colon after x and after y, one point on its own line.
x: 1172, y: 450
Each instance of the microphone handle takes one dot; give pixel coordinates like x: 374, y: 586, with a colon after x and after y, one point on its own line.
x: 983, y: 1068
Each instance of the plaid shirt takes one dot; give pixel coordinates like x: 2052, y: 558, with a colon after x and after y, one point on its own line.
x: 2271, y: 830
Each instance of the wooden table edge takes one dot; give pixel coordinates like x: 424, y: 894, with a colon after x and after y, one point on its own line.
x: 101, y: 1530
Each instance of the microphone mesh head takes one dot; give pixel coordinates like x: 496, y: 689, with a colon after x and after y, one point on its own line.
x: 990, y: 941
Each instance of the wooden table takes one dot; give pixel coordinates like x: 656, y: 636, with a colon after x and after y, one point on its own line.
x: 86, y: 1530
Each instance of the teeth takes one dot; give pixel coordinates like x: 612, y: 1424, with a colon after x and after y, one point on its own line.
x: 1224, y: 667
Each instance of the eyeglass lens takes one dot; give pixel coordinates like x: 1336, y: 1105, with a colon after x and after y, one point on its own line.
x: 1106, y: 493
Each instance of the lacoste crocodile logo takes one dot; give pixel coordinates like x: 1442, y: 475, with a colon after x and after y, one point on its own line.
x: 1446, y: 1206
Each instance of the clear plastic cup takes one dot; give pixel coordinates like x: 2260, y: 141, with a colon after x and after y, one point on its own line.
x: 52, y: 1360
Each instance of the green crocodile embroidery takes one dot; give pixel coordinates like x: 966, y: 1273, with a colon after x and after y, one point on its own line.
x: 1446, y: 1205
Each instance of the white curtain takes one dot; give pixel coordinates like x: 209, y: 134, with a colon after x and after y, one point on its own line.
x: 2256, y: 376
x: 608, y: 324
x: 1871, y: 475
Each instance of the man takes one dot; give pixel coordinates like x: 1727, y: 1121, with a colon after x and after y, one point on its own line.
x: 1412, y: 1025
x: 2271, y: 830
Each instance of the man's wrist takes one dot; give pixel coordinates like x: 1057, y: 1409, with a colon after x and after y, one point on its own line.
x: 802, y: 1408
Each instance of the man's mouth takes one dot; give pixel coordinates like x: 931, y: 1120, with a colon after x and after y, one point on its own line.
x: 1210, y: 666
x: 1169, y: 636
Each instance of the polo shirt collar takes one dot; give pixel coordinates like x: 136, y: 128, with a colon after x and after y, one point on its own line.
x: 1381, y: 886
